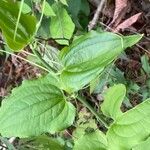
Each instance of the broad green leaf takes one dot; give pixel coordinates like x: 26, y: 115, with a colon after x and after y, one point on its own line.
x: 143, y: 145
x: 74, y: 4
x: 131, y: 128
x: 93, y: 84
x: 8, y: 19
x: 35, y: 107
x: 80, y: 13
x: 64, y: 2
x: 44, y: 28
x: 61, y: 26
x: 89, y: 55
x: 73, y: 81
x: 91, y: 141
x: 112, y: 101
x: 26, y: 8
x: 48, y: 11
x: 41, y: 142
x: 45, y: 142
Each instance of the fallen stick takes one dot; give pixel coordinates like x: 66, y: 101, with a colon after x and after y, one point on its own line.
x: 96, y: 15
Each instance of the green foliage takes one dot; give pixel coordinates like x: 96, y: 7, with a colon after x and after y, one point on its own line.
x: 80, y: 13
x: 95, y: 140
x: 130, y: 128
x: 35, y: 107
x: 113, y: 100
x: 83, y: 123
x: 143, y: 145
x: 64, y: 2
x: 44, y: 30
x: 85, y: 59
x: 44, y: 105
x: 145, y: 64
x: 130, y: 40
x: 41, y: 142
x: 61, y: 25
x: 48, y: 11
x: 86, y: 136
x: 44, y: 142
x: 26, y: 8
x: 8, y: 20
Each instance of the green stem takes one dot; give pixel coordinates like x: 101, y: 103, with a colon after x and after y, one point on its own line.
x: 7, y: 52
x: 41, y: 59
x: 41, y: 17
x: 93, y: 111
x: 18, y: 19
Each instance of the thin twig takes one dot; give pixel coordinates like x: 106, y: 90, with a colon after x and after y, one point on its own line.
x: 147, y: 51
x: 25, y: 60
x: 96, y: 15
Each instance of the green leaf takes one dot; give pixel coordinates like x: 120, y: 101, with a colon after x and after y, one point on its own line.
x: 130, y: 40
x: 91, y: 141
x: 41, y: 142
x: 44, y: 28
x: 82, y: 9
x: 73, y: 81
x: 61, y: 26
x: 26, y: 8
x: 88, y: 56
x: 93, y: 84
x: 35, y: 107
x: 48, y: 11
x: 131, y: 128
x: 46, y: 142
x: 143, y: 145
x: 64, y: 2
x: 8, y: 19
x: 112, y: 101
x: 145, y: 63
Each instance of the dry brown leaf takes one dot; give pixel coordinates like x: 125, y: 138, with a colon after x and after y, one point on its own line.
x: 121, y: 7
x: 127, y: 23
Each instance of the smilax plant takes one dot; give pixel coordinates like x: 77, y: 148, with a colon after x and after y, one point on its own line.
x: 45, y: 104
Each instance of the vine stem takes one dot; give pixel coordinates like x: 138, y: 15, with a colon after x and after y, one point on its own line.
x: 93, y: 111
